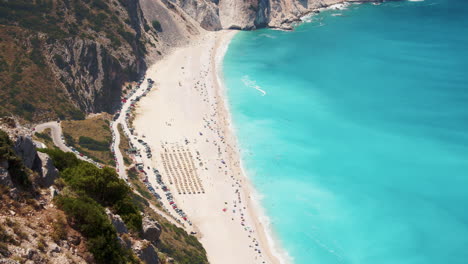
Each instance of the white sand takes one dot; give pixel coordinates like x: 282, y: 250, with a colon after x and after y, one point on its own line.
x: 188, y: 100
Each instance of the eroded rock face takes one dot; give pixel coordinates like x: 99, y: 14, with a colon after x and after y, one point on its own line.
x: 48, y: 172
x: 25, y: 149
x: 146, y: 252
x: 91, y: 69
x: 204, y: 12
x: 117, y: 222
x: 39, y: 162
x: 151, y: 229
x: 91, y: 74
x: 250, y: 14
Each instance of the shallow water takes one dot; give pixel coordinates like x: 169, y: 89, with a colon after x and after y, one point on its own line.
x: 354, y: 129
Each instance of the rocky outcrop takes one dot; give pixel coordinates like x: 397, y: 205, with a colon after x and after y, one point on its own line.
x: 48, y: 172
x: 146, y: 252
x: 117, y: 222
x: 92, y: 76
x: 93, y: 70
x: 151, y: 229
x: 203, y: 11
x: 26, y: 150
x: 39, y: 162
x: 250, y: 14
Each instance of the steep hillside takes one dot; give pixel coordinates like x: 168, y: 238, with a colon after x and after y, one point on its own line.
x: 62, y: 58
x: 250, y: 14
x: 55, y: 208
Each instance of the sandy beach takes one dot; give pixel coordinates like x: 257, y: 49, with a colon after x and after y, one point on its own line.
x: 185, y: 121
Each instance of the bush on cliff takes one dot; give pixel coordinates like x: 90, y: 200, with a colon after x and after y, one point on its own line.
x: 157, y: 25
x: 93, y: 189
x: 102, y: 185
x: 62, y: 160
x: 18, y: 172
x: 91, y: 220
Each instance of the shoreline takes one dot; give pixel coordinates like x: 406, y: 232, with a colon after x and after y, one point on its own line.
x: 190, y: 112
x: 255, y: 201
x: 264, y: 224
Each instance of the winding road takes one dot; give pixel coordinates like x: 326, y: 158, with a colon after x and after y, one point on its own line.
x: 56, y: 134
x: 57, y: 138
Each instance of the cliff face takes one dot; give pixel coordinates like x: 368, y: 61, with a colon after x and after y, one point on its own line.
x: 93, y: 70
x: 75, y: 55
x: 92, y: 76
x: 250, y: 14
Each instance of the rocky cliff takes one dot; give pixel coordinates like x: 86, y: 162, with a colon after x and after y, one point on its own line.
x: 250, y: 14
x: 94, y: 68
x: 66, y: 58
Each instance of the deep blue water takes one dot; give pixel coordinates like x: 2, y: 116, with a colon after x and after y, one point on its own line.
x: 360, y: 145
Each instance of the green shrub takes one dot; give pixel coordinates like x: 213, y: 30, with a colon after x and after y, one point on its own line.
x: 156, y: 25
x: 28, y: 107
x: 130, y: 214
x: 69, y: 139
x: 62, y: 160
x: 93, y: 144
x: 36, y: 54
x: 81, y: 11
x: 90, y: 219
x: 102, y: 185
x: 59, y: 229
x: 99, y: 4
x: 76, y: 114
x: 128, y: 36
x: 44, y: 136
x: 18, y: 172
x: 59, y: 61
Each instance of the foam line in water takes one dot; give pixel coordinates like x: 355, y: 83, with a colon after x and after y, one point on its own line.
x: 252, y: 84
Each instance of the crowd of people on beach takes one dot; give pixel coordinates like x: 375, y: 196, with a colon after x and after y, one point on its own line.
x: 187, y: 172
x: 226, y: 164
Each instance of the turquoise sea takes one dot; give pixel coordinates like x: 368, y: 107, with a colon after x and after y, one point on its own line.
x: 354, y: 129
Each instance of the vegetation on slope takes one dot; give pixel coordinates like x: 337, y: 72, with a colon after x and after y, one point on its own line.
x: 174, y: 241
x: 87, y: 191
x: 124, y: 145
x: 45, y: 137
x: 18, y: 172
x: 31, y: 29
x: 91, y: 137
x: 25, y: 223
x: 27, y: 87
x: 36, y: 228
